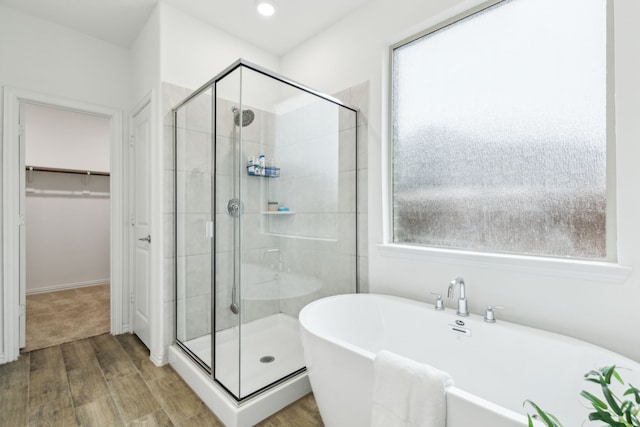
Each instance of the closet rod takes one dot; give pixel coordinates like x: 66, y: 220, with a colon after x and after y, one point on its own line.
x: 59, y: 170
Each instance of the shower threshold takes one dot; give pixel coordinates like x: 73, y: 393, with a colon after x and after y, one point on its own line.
x: 270, y: 350
x: 250, y: 412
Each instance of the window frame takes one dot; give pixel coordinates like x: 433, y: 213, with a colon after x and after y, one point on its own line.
x: 484, y: 256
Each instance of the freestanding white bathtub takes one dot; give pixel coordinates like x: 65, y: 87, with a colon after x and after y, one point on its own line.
x: 495, y: 367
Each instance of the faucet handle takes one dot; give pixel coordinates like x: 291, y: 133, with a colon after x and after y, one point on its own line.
x: 490, y: 315
x: 439, y: 304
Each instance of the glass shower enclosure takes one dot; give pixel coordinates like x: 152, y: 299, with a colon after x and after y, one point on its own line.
x: 266, y: 221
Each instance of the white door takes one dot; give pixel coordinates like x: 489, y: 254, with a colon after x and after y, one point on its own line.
x: 140, y: 223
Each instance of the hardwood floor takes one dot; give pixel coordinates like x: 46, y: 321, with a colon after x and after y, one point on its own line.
x: 109, y: 381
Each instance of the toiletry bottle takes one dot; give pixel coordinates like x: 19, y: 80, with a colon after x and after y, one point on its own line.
x: 269, y: 164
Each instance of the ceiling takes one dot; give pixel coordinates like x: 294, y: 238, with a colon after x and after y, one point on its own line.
x: 120, y: 21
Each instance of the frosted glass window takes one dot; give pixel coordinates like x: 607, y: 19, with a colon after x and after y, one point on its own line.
x: 499, y: 129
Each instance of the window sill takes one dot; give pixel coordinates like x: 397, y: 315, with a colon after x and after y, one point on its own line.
x: 557, y: 267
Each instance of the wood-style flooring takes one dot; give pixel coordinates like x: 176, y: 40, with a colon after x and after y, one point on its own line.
x: 109, y: 380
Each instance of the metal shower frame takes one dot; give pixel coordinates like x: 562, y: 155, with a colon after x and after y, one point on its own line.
x: 211, y: 84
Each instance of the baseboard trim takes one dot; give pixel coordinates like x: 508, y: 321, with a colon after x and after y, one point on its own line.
x: 66, y: 286
x: 2, y: 360
x: 160, y: 359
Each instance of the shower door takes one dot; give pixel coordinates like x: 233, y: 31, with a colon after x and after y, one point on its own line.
x: 266, y: 220
x: 193, y: 127
x: 285, y: 222
x: 228, y: 211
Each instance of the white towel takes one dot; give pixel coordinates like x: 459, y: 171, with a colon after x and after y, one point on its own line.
x: 407, y: 393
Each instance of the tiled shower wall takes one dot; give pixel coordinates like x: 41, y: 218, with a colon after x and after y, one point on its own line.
x: 323, y: 223
x: 358, y: 96
x: 320, y: 239
x: 257, y: 137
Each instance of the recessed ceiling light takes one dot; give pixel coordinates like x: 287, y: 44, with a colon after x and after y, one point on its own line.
x: 265, y: 8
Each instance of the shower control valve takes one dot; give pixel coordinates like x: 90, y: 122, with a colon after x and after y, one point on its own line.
x: 233, y: 207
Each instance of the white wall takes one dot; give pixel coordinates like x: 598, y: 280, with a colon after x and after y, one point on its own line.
x: 44, y: 57
x: 67, y: 215
x: 58, y: 138
x: 592, y: 309
x: 67, y: 232
x: 193, y: 52
x: 145, y: 58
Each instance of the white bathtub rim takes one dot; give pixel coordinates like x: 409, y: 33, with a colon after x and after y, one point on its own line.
x: 487, y: 404
x: 473, y: 321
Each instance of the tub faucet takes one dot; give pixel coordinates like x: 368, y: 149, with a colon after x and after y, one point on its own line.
x: 462, y: 301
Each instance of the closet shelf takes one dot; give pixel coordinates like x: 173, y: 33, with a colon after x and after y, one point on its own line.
x: 61, y: 170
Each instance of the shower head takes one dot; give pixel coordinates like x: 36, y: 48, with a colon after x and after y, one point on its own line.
x: 247, y: 116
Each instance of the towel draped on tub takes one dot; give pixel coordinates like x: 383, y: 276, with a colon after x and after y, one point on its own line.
x: 407, y: 393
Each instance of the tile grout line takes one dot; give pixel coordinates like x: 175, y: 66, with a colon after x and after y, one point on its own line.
x: 175, y: 422
x: 120, y: 414
x: 139, y: 373
x: 147, y: 383
x: 28, y: 405
x: 66, y: 373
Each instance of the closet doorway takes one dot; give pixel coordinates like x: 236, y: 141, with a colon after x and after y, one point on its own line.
x: 65, y: 245
x: 14, y: 178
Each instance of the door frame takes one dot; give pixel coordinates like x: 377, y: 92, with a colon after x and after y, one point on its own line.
x: 13, y: 97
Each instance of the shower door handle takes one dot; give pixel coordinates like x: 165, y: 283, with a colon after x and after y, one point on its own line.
x: 146, y: 239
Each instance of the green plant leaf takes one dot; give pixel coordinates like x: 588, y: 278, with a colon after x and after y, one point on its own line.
x: 611, y: 411
x: 544, y: 416
x: 627, y: 414
x: 611, y: 400
x: 592, y: 374
x: 607, y: 372
x: 605, y: 417
x: 555, y: 419
x: 617, y: 376
x: 630, y: 411
x: 597, y: 403
x: 634, y: 391
x: 530, y: 421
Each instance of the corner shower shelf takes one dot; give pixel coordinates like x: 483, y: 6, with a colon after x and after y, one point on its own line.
x: 278, y: 213
x: 263, y: 284
x: 268, y: 172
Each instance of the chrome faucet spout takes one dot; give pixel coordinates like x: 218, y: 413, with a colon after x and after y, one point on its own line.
x: 450, y: 290
x: 462, y: 300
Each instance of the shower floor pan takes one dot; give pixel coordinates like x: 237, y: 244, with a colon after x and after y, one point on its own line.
x: 270, y: 350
